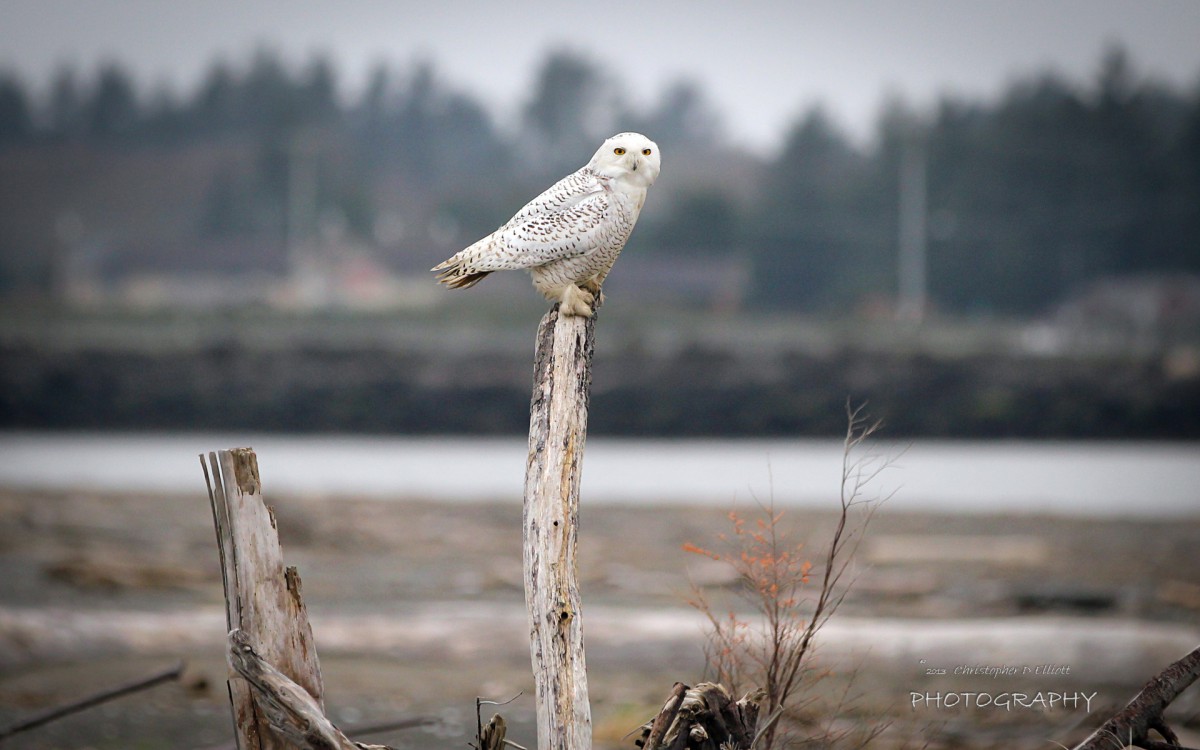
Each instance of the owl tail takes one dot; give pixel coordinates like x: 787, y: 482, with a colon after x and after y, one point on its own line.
x: 456, y: 273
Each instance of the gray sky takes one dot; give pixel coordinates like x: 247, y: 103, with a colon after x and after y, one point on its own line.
x: 760, y: 62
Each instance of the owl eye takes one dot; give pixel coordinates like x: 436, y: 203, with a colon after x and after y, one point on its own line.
x: 645, y: 152
x: 619, y: 151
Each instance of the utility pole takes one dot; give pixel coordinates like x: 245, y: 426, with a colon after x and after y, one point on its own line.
x: 912, y: 261
x: 305, y: 272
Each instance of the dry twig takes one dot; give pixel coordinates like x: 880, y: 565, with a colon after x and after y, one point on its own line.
x: 775, y: 577
x: 58, y: 712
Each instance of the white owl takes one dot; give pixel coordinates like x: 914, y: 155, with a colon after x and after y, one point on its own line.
x: 569, y: 236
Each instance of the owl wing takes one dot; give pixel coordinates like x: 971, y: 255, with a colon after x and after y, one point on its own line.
x: 566, y: 221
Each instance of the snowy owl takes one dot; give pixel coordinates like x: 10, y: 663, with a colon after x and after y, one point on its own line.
x: 569, y: 236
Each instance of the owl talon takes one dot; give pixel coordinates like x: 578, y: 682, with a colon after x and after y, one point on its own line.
x: 593, y: 286
x: 576, y: 301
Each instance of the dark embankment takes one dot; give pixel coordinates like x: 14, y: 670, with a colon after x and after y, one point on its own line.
x: 388, y: 377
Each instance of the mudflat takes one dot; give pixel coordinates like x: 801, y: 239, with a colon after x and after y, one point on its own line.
x: 417, y: 609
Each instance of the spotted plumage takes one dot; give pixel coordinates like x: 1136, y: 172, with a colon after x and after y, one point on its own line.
x: 569, y: 236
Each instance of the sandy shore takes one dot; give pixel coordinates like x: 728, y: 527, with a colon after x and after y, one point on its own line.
x: 417, y: 609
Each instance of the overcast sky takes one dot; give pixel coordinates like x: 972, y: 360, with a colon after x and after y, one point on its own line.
x: 760, y: 62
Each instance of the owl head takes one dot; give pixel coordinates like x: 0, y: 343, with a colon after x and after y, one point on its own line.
x: 629, y: 156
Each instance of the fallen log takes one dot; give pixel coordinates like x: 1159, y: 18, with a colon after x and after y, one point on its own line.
x: 1132, y: 725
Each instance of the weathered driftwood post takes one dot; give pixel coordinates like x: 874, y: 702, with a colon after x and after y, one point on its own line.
x: 557, y: 429
x: 262, y: 598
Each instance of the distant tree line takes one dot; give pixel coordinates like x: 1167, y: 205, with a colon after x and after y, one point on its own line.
x: 1030, y: 196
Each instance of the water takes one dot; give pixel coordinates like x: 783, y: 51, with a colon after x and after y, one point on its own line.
x: 1068, y: 478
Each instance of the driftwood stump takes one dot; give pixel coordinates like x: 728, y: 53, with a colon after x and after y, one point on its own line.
x: 262, y: 598
x: 704, y: 717
x: 294, y: 716
x: 491, y: 737
x: 557, y: 430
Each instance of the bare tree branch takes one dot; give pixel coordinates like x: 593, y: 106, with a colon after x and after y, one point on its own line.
x: 58, y: 712
x: 776, y: 653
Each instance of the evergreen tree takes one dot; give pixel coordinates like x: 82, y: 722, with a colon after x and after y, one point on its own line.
x: 66, y: 109
x: 804, y: 252
x: 16, y: 124
x: 215, y: 108
x: 1053, y: 187
x: 698, y: 223
x: 268, y: 99
x: 682, y: 120
x: 573, y: 109
x: 318, y: 93
x: 1187, y: 202
x: 112, y: 109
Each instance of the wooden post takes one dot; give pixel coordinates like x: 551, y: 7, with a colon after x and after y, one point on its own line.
x: 262, y: 598
x: 557, y: 429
